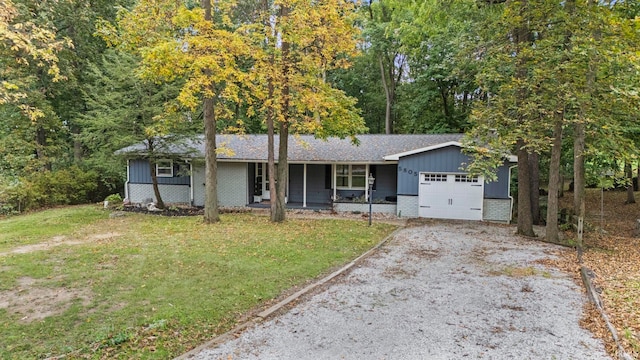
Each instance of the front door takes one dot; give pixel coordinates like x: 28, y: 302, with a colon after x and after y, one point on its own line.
x: 263, y: 181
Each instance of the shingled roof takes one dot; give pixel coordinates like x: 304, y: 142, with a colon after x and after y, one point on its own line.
x: 372, y: 148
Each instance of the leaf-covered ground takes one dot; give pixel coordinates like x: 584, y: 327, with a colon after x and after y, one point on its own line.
x: 614, y: 256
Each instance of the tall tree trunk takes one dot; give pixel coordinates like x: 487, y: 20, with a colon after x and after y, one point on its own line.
x: 41, y: 145
x: 271, y: 162
x: 154, y: 184
x: 389, y: 94
x: 629, y: 173
x: 154, y: 175
x: 579, y: 140
x: 636, y: 187
x: 525, y: 218
x: 525, y: 221
x: 281, y: 186
x: 554, y: 181
x: 283, y: 166
x: 578, y: 168
x: 534, y: 166
x: 211, y: 214
x: 445, y: 103
x: 387, y: 75
x: 270, y: 116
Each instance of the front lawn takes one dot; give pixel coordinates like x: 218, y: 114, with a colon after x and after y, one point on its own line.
x: 46, y: 224
x: 144, y: 286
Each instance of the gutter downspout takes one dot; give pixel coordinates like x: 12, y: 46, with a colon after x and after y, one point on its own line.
x: 126, y: 183
x: 509, y: 194
x: 304, y: 186
x: 191, y: 200
x: 366, y: 188
x: 334, y: 176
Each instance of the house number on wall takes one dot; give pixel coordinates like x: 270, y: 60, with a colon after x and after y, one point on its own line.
x: 408, y: 171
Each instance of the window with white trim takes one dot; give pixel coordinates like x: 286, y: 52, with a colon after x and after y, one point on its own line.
x: 164, y: 168
x: 351, y: 176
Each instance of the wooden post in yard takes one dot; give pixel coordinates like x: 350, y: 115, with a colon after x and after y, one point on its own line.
x: 580, y: 232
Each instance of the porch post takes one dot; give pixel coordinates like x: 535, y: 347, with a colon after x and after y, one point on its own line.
x: 191, y: 182
x: 366, y: 188
x: 333, y: 170
x: 304, y: 186
x: 126, y: 184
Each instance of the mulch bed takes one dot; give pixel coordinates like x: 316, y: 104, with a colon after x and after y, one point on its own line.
x: 181, y: 211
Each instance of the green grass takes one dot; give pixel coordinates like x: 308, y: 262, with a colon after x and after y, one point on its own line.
x: 516, y: 271
x: 153, y: 287
x: 44, y: 225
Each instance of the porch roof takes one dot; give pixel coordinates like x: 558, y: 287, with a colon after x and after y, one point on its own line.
x: 372, y: 148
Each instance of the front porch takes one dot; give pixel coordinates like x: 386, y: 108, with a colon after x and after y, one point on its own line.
x: 340, y: 207
x: 321, y: 186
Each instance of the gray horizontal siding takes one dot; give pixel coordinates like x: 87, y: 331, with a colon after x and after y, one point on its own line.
x: 139, y: 173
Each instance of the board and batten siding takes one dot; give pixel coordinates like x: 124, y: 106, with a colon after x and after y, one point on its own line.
x: 445, y: 160
x: 498, y: 189
x: 139, y: 173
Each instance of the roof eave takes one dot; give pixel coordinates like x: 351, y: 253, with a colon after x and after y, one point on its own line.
x: 396, y: 157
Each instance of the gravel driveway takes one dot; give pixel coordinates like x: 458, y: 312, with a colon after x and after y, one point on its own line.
x: 444, y: 291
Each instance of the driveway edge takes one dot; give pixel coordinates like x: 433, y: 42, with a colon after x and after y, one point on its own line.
x: 229, y: 335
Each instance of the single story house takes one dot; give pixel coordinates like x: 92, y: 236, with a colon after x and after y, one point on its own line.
x: 415, y: 175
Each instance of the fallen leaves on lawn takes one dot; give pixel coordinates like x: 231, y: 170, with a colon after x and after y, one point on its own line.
x: 614, y: 256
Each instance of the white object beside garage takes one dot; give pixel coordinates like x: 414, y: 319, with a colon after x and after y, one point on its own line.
x: 451, y: 196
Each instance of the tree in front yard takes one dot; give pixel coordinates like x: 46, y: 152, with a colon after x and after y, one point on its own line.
x: 124, y: 109
x: 197, y: 44
x: 294, y: 44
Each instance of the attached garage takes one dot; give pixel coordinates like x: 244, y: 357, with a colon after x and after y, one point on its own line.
x: 432, y: 183
x: 450, y: 196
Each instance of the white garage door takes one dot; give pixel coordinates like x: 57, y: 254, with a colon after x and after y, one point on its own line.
x: 451, y: 196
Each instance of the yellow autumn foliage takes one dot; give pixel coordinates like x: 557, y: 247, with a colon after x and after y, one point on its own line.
x: 23, y: 44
